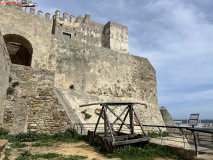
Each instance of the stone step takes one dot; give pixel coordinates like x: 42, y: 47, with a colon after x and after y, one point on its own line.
x: 2, y: 145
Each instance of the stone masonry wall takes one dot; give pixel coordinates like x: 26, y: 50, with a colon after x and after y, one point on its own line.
x: 33, y: 106
x: 35, y: 28
x: 101, y: 71
x: 4, y: 73
x: 102, y: 75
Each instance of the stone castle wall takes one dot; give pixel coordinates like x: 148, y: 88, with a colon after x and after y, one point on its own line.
x: 4, y: 73
x: 36, y: 29
x: 33, y: 106
x: 87, y: 55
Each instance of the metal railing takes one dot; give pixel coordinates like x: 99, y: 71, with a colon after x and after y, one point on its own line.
x: 201, y: 139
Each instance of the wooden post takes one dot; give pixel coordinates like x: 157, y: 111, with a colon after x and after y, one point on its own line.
x: 105, y: 122
x: 131, y: 119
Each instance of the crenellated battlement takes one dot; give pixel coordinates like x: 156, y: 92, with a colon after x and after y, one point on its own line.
x: 111, y: 35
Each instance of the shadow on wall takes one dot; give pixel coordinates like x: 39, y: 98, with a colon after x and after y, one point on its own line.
x: 19, y: 48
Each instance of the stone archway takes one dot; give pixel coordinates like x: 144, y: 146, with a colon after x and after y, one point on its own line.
x: 19, y: 48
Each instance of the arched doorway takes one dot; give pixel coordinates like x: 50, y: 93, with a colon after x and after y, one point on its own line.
x: 19, y: 49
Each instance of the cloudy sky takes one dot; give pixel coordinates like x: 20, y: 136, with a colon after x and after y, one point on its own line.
x: 175, y: 35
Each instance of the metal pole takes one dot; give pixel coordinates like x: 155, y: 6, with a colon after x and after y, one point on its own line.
x: 81, y: 129
x: 195, y: 140
x: 161, y: 137
x: 184, y: 139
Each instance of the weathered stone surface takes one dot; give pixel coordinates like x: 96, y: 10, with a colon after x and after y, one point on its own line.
x: 4, y: 74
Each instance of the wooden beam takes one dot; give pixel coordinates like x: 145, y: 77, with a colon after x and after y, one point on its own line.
x: 96, y: 126
x: 142, y: 129
x: 138, y: 140
x: 118, y: 118
x: 123, y: 120
x: 120, y: 115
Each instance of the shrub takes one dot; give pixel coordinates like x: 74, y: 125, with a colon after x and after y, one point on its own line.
x: 10, y: 79
x: 3, y: 132
x: 10, y: 91
x: 165, y: 134
x: 28, y: 137
x: 70, y: 135
x: 86, y: 115
x: 15, y: 84
x: 72, y: 86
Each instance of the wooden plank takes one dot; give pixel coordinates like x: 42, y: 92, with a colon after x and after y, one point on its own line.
x: 131, y: 141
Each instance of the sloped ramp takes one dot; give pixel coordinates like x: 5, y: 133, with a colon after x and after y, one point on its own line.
x: 67, y: 107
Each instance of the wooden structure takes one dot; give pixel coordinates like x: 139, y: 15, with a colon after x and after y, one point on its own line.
x: 112, y: 138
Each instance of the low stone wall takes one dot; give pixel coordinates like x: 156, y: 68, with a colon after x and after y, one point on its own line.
x: 33, y: 106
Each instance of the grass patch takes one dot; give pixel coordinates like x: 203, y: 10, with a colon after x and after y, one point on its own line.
x: 75, y: 157
x: 45, y: 156
x: 7, y: 153
x: 156, y: 135
x: 70, y: 135
x: 26, y: 155
x: 147, y: 152
x: 18, y: 145
x: 40, y: 144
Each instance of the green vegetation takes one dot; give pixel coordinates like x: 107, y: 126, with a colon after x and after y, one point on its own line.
x: 86, y: 115
x: 75, y: 157
x: 147, y: 152
x: 10, y: 79
x: 155, y: 135
x: 10, y: 91
x: 18, y: 145
x: 40, y: 144
x: 70, y: 135
x: 15, y: 84
x: 26, y: 155
x: 7, y: 153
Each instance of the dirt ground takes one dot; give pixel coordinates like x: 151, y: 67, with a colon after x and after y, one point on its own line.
x: 65, y: 149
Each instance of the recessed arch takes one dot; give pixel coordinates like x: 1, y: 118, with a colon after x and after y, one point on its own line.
x: 19, y: 49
